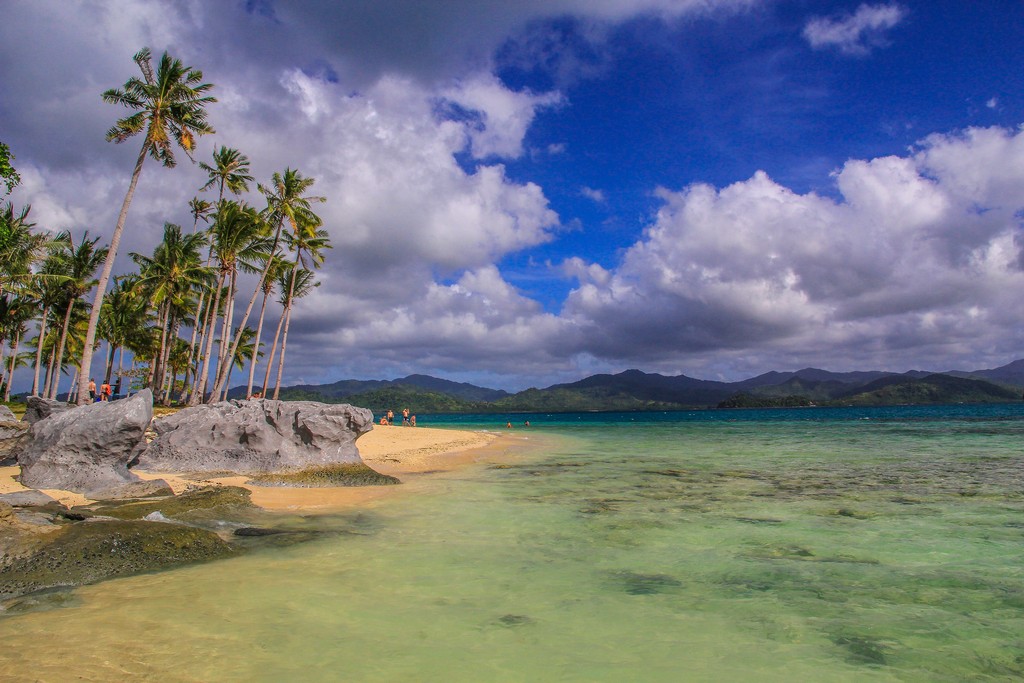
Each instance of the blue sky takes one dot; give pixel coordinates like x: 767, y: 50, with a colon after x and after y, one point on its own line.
x: 526, y: 193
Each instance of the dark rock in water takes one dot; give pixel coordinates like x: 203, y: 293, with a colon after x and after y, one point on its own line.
x: 862, y: 650
x: 41, y: 408
x: 636, y: 583
x: 250, y: 531
x: 511, y: 620
x: 13, y: 434
x: 223, y: 498
x: 356, y: 474
x: 88, y: 552
x: 87, y: 449
x: 250, y: 437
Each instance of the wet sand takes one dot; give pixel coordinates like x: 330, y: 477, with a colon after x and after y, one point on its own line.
x: 403, y: 452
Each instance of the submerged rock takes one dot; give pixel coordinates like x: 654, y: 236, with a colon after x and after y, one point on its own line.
x: 87, y: 449
x: 356, y: 474
x: 251, y: 437
x: 88, y: 552
x: 224, y: 499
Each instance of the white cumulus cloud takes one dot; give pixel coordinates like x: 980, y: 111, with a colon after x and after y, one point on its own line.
x: 857, y: 33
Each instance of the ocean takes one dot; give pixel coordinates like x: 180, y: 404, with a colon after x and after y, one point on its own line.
x: 869, y: 544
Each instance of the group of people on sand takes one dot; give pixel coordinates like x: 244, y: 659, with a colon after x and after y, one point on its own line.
x: 388, y: 418
x: 105, y: 390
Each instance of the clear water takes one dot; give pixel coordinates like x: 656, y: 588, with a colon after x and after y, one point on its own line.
x: 791, y: 545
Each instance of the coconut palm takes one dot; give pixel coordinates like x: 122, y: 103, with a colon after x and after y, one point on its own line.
x: 275, y: 272
x: 230, y: 171
x: 239, y: 242
x: 15, y: 312
x: 246, y: 349
x: 78, y: 265
x: 285, y: 202
x: 170, y: 110
x: 200, y: 210
x: 20, y: 248
x: 125, y: 318
x: 300, y: 283
x: 168, y: 278
x: 46, y: 288
x: 292, y: 284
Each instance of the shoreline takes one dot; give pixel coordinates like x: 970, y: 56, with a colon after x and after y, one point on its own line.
x: 403, y: 452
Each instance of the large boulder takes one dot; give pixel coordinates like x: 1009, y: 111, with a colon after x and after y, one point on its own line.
x: 37, y: 408
x: 6, y: 414
x: 249, y: 437
x: 87, y: 449
x: 12, y: 434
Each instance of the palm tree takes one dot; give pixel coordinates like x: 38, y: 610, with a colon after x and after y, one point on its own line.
x: 46, y: 287
x: 308, y: 244
x: 78, y: 264
x: 20, y: 248
x: 297, y: 284
x: 246, y: 349
x: 15, y: 312
x: 276, y: 272
x: 124, y: 320
x: 200, y: 209
x: 230, y: 171
x: 238, y: 243
x: 285, y: 201
x: 170, y: 108
x: 168, y: 278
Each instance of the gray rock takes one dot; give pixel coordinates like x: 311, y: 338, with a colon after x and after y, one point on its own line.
x: 6, y: 414
x: 250, y: 437
x: 41, y: 408
x: 87, y: 449
x: 13, y: 434
x: 26, y: 498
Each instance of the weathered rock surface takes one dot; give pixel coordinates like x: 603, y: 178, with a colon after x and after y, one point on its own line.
x: 249, y: 437
x: 41, y: 408
x: 6, y: 414
x: 87, y: 449
x: 13, y: 434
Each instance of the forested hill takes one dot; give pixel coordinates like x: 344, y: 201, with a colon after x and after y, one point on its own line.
x: 636, y: 390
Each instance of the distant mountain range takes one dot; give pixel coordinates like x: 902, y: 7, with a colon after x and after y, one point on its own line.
x: 636, y: 390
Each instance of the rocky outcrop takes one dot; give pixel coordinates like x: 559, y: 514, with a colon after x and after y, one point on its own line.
x: 249, y: 437
x: 13, y: 433
x: 6, y: 414
x: 38, y: 409
x: 87, y: 449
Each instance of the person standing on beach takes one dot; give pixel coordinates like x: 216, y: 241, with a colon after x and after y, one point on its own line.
x: 405, y: 417
x: 391, y: 417
x: 105, y: 391
x: 92, y: 389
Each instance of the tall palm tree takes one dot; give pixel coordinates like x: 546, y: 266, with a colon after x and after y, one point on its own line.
x: 298, y: 283
x: 230, y: 171
x: 168, y: 278
x: 15, y: 312
x: 125, y: 318
x: 200, y: 210
x: 308, y: 244
x: 20, y: 248
x: 285, y: 202
x: 79, y: 264
x: 246, y: 349
x: 238, y: 242
x: 46, y: 288
x: 276, y: 272
x: 170, y: 109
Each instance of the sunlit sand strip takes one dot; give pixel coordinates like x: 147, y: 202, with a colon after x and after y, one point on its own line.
x: 399, y: 451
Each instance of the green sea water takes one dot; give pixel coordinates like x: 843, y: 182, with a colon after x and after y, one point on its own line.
x: 799, y: 545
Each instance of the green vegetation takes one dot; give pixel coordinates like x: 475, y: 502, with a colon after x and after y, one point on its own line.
x: 749, y: 401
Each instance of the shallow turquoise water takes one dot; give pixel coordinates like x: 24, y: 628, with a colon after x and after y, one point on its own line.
x: 824, y: 545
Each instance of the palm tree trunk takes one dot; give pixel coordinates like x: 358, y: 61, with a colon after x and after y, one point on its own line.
x: 284, y: 345
x: 39, y: 351
x: 14, y: 361
x: 74, y: 378
x: 60, y: 349
x: 224, y: 360
x: 273, y: 349
x: 111, y: 350
x: 108, y: 265
x: 256, y: 346
x: 199, y: 394
x: 248, y: 309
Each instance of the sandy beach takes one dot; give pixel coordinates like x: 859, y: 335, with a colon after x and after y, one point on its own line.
x: 403, y: 452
